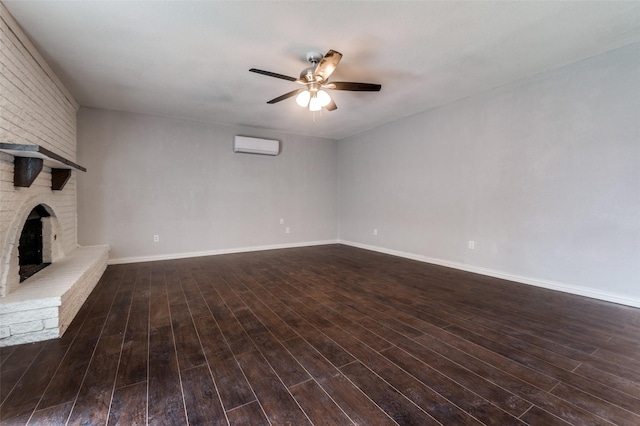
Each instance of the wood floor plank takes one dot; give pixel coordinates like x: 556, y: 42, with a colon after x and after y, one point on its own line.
x: 587, y: 361
x: 197, y: 304
x: 103, y: 304
x: 531, y: 393
x: 537, y: 416
x: 188, y: 345
x: 614, y: 381
x: 619, y: 358
x: 518, y: 346
x: 320, y: 408
x: 229, y: 293
x: 607, y: 411
x: 275, y: 399
x: 235, y: 335
x: 535, y: 326
x: 389, y: 399
x: 201, y: 398
x: 141, y: 291
x: 361, y: 333
x: 424, y: 397
x: 248, y: 414
x: 611, y: 395
x: 285, y: 366
x: 477, y: 379
x: 175, y: 294
x: 521, y: 357
x: 116, y: 322
x: 55, y: 415
x: 213, y: 341
x: 166, y: 403
x: 92, y: 406
x: 94, y: 398
x: 271, y: 321
x: 349, y: 398
x: 26, y: 394
x: 293, y: 319
x: 233, y: 387
x: 66, y: 382
x: 159, y: 309
x: 385, y: 332
x: 133, y: 360
x: 129, y: 405
x: 5, y: 352
x: 522, y: 372
x: 464, y: 398
x: 328, y: 348
x: 314, y: 318
x: 16, y: 365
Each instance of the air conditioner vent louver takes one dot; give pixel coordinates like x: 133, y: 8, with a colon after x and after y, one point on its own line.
x: 247, y: 145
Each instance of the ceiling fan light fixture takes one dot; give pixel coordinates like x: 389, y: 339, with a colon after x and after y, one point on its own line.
x: 315, y: 78
x: 323, y: 98
x: 314, y: 103
x: 303, y: 98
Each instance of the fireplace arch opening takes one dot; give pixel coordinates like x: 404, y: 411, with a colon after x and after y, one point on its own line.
x: 53, y: 239
x: 33, y: 253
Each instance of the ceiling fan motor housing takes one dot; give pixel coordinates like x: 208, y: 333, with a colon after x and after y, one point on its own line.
x: 307, y: 75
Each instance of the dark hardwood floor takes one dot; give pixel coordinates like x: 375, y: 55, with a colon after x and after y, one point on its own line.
x: 326, y: 335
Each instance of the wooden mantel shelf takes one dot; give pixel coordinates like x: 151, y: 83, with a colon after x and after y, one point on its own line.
x: 28, y: 162
x: 36, y: 151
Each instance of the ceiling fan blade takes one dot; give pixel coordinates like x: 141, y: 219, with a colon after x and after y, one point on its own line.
x: 354, y: 87
x: 273, y: 74
x: 285, y: 96
x: 327, y: 65
x: 331, y: 106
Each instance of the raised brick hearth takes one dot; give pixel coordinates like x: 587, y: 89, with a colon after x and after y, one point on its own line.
x: 44, y: 305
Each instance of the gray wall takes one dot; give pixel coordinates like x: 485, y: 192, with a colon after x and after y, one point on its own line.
x: 543, y: 174
x: 180, y: 180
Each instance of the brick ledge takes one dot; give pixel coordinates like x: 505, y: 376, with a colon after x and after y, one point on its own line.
x: 45, y: 304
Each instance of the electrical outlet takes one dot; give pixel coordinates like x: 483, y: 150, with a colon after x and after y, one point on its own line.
x: 375, y: 232
x: 156, y: 238
x: 472, y: 245
x: 281, y: 221
x: 287, y: 230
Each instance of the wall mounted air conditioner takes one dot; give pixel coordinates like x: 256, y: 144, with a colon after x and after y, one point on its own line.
x: 256, y: 145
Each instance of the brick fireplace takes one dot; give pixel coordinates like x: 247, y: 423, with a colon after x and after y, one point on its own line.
x: 38, y: 177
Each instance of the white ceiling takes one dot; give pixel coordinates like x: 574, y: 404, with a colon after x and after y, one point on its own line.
x: 191, y: 59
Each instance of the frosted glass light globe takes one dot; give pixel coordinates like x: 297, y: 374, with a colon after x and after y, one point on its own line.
x: 324, y: 98
x: 303, y: 98
x: 314, y: 104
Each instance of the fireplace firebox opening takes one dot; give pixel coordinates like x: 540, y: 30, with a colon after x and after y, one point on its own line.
x: 31, y: 250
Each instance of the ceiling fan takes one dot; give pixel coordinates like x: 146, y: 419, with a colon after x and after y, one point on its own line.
x: 315, y: 81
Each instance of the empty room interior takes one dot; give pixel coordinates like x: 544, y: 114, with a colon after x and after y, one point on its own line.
x: 319, y: 212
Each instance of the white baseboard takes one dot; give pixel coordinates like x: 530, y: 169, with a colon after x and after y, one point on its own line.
x: 172, y: 256
x: 551, y: 285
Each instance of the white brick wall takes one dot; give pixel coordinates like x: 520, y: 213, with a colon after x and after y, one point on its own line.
x: 35, y: 108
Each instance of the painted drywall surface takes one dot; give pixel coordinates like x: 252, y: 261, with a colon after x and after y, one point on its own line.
x: 180, y: 180
x: 543, y: 174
